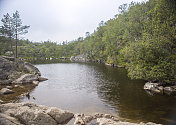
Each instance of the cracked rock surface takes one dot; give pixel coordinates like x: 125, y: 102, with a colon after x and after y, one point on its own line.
x: 27, y: 113
x: 31, y: 114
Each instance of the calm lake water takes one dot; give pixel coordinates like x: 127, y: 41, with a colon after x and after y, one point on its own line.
x: 90, y: 88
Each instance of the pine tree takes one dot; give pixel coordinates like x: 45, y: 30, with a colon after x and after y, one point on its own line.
x: 18, y: 29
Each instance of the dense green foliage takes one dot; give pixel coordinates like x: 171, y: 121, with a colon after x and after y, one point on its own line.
x: 142, y: 37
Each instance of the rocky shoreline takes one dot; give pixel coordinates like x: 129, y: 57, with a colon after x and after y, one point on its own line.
x: 27, y: 113
x: 160, y: 88
x: 18, y: 73
x: 17, y: 78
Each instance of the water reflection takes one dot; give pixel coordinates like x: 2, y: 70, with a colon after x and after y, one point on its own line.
x: 131, y: 101
x: 91, y: 88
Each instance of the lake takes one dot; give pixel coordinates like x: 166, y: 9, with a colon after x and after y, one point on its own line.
x: 91, y: 88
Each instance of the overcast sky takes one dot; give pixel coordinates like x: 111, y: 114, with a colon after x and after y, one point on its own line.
x: 60, y: 20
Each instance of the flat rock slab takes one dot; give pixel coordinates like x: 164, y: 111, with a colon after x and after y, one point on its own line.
x: 6, y: 91
x: 26, y: 78
x: 32, y: 114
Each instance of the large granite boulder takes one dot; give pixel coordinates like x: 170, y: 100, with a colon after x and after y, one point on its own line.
x: 21, y: 72
x: 29, y: 68
x: 8, y: 70
x: 60, y: 116
x: 32, y: 114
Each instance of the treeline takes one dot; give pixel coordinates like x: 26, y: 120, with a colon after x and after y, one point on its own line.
x: 142, y: 37
x: 31, y: 50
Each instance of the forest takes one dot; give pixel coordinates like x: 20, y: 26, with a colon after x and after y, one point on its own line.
x: 141, y: 37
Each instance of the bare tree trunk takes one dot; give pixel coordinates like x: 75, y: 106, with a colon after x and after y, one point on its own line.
x: 11, y: 41
x: 11, y: 45
x: 16, y: 40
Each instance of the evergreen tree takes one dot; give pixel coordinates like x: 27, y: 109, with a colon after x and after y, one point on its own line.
x: 18, y: 28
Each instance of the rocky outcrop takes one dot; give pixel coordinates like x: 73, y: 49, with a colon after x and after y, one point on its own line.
x: 103, y: 119
x: 32, y: 114
x: 22, y: 72
x: 159, y: 88
x: 8, y: 70
x: 29, y: 68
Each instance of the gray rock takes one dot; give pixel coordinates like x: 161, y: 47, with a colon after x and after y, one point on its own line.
x: 35, y: 82
x: 1, y: 101
x: 169, y: 90
x: 60, y: 116
x: 8, y: 120
x: 81, y: 119
x: 149, y: 85
x: 26, y: 78
x: 16, y: 86
x: 6, y: 91
x: 174, y: 87
x: 159, y: 88
x: 28, y: 67
x: 79, y: 58
x: 106, y: 121
x: 107, y: 116
x: 100, y: 119
x: 72, y: 58
x: 153, y: 87
x: 42, y: 79
x: 9, y: 87
x: 32, y: 114
x: 5, y: 82
x: 6, y: 68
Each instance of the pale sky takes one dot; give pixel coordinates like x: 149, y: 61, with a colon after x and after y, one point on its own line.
x: 60, y: 20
